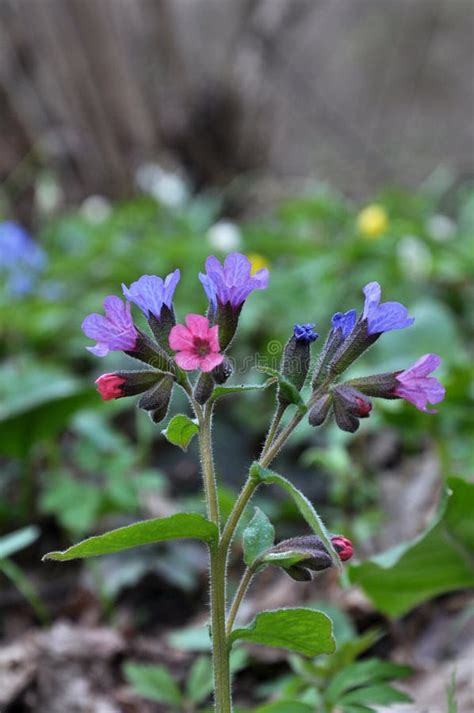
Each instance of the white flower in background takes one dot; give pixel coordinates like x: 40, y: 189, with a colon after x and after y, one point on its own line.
x: 225, y: 236
x: 415, y: 257
x: 96, y: 209
x: 165, y: 187
x: 48, y: 194
x: 441, y: 228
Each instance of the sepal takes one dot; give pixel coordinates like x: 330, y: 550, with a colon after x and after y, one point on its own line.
x: 379, y: 385
x: 350, y: 405
x: 319, y: 412
x: 147, y: 351
x: 162, y: 327
x: 157, y: 399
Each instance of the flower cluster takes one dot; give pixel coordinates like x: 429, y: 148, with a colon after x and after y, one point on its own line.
x: 200, y: 344
x: 171, y: 348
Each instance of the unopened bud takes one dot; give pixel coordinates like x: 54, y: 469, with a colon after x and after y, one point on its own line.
x: 296, y: 357
x: 203, y: 388
x: 157, y: 399
x: 221, y: 373
x: 126, y: 383
x: 318, y: 413
x: 350, y: 405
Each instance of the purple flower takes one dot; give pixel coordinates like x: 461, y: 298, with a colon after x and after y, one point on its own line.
x: 383, y: 317
x: 115, y: 331
x: 417, y: 387
x: 150, y: 293
x: 345, y: 321
x: 232, y: 282
x: 305, y: 333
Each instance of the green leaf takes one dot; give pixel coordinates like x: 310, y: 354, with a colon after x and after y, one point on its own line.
x: 305, y: 631
x: 36, y: 403
x: 258, y: 536
x: 287, y: 389
x: 18, y: 540
x: 180, y: 431
x: 285, y: 707
x: 269, y: 477
x: 439, y: 560
x: 200, y: 682
x: 362, y: 673
x: 377, y: 695
x: 178, y: 526
x: 153, y: 682
x: 219, y: 391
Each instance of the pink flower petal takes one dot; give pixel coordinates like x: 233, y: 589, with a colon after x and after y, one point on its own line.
x: 180, y: 338
x: 213, y: 337
x: 188, y: 361
x: 210, y: 361
x: 198, y: 325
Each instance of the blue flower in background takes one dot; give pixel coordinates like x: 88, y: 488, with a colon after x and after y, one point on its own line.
x: 21, y: 259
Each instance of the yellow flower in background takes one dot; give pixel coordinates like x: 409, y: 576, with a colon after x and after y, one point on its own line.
x: 372, y: 221
x: 258, y: 262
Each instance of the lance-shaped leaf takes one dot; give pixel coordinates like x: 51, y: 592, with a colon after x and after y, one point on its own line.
x: 18, y: 540
x: 219, y: 391
x: 269, y: 477
x: 180, y: 431
x: 181, y: 525
x: 439, y: 560
x: 305, y: 631
x: 258, y: 536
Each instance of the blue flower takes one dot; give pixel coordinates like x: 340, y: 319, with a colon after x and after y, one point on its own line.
x: 345, y: 321
x: 150, y: 293
x: 115, y: 331
x: 385, y: 316
x: 232, y: 282
x: 20, y: 258
x: 305, y: 333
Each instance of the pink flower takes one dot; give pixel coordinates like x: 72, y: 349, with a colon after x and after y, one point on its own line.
x: 197, y: 344
x: 417, y: 387
x: 109, y: 386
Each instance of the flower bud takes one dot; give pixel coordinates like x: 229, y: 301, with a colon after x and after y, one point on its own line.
x: 221, y: 373
x: 343, y: 547
x: 156, y: 400
x: 296, y: 357
x: 349, y: 406
x: 318, y: 413
x: 342, y: 326
x: 126, y: 383
x: 300, y: 556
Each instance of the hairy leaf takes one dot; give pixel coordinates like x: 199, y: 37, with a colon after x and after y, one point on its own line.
x: 180, y: 431
x: 305, y: 631
x: 258, y: 536
x: 182, y: 525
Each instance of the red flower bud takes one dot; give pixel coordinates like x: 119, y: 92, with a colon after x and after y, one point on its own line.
x: 364, y: 407
x: 343, y: 547
x: 109, y: 386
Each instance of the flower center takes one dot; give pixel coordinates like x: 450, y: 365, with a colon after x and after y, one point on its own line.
x: 201, y: 346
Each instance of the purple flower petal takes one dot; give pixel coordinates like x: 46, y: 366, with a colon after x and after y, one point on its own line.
x: 345, y: 321
x: 115, y: 331
x: 150, y: 293
x: 385, y: 316
x: 232, y: 282
x: 417, y: 387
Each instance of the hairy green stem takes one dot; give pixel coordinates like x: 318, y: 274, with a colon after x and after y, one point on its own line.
x: 280, y: 410
x: 238, y: 598
x: 220, y: 651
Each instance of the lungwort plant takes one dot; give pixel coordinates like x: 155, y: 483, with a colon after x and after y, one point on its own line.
x: 169, y: 351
